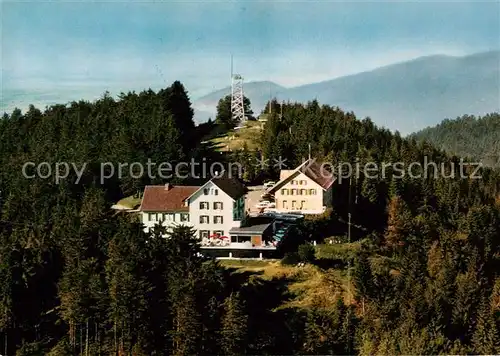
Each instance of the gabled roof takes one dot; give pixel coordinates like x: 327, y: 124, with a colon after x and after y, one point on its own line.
x: 318, y: 174
x: 285, y: 173
x: 162, y: 199
x: 311, y: 169
x: 229, y: 185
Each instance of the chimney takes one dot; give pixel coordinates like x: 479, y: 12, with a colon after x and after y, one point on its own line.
x: 168, y: 186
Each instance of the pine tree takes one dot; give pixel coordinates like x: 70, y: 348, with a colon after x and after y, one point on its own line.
x: 363, y: 279
x: 314, y: 334
x: 177, y: 102
x: 234, y: 326
x: 349, y: 327
x: 398, y: 225
x: 186, y: 324
x: 466, y: 301
x: 485, y: 339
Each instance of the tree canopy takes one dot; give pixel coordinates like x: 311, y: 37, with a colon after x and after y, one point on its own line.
x: 467, y: 136
x: 420, y: 275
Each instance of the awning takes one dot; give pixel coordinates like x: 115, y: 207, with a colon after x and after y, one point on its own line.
x: 250, y: 230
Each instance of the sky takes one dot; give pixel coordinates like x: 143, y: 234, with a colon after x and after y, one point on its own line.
x: 67, y: 50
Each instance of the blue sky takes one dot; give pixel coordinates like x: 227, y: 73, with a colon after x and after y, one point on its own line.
x: 68, y: 50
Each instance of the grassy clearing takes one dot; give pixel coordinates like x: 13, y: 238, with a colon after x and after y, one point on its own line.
x: 236, y: 139
x: 340, y: 251
x: 246, y: 265
x: 130, y: 202
x: 308, y: 286
x: 318, y: 288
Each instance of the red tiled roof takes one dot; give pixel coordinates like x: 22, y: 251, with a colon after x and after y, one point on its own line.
x: 312, y: 169
x: 319, y: 174
x: 159, y: 198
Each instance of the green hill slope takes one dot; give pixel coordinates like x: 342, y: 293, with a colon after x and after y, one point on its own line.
x: 467, y: 136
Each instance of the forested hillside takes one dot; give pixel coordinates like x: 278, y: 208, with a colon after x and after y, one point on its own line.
x: 467, y: 136
x: 76, y: 278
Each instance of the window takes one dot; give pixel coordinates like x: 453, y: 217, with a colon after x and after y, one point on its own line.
x: 294, y: 182
x: 302, y: 204
x: 219, y: 233
x: 293, y: 204
x: 217, y: 205
x: 204, y: 219
x: 204, y: 234
x: 303, y: 192
x: 217, y: 219
x: 205, y: 191
x: 240, y: 239
x: 204, y: 205
x: 294, y: 192
x: 285, y: 205
x: 168, y: 217
x: 283, y: 191
x: 312, y: 191
x: 184, y: 217
x: 216, y: 191
x: 152, y: 217
x: 303, y: 182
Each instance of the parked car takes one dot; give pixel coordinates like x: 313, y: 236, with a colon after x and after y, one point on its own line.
x: 289, y: 217
x: 262, y: 204
x: 269, y: 184
x: 271, y: 209
x: 268, y: 214
x: 267, y: 196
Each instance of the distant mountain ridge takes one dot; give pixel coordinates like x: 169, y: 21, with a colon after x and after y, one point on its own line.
x: 406, y: 96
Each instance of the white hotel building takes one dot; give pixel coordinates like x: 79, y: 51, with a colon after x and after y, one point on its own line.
x: 216, y: 211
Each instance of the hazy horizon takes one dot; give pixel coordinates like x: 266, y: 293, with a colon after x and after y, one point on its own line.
x: 65, y: 51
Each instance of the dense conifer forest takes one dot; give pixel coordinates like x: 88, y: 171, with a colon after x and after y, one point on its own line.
x: 468, y: 136
x: 76, y: 278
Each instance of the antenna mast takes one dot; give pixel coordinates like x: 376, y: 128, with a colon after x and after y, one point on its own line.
x: 270, y: 98
x: 231, y: 66
x: 237, y: 103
